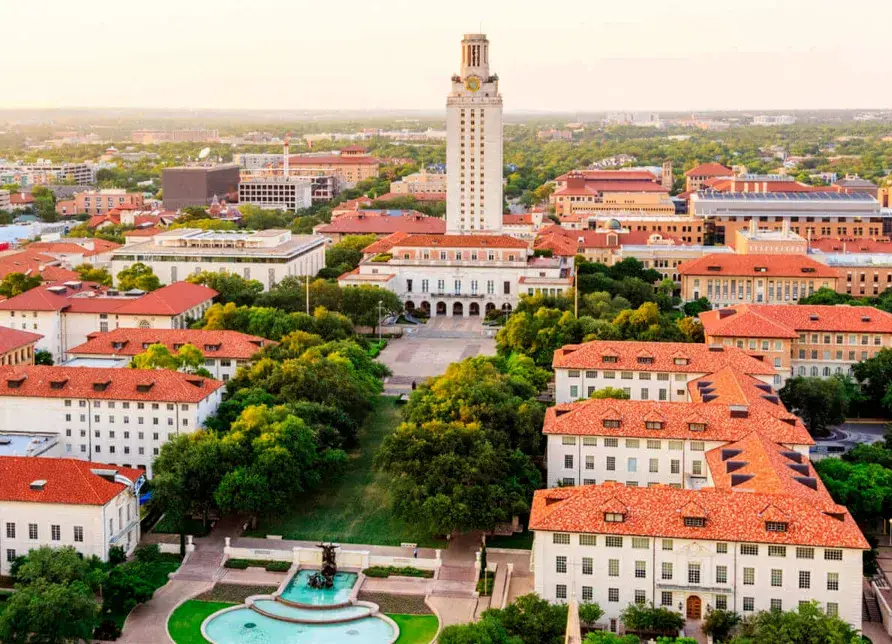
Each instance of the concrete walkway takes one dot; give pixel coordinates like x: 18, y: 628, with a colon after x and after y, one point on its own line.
x: 288, y: 544
x: 876, y: 633
x: 147, y: 623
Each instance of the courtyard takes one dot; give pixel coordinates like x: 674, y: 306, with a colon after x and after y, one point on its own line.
x: 426, y: 350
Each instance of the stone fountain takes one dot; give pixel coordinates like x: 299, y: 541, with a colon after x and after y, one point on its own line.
x: 325, y: 577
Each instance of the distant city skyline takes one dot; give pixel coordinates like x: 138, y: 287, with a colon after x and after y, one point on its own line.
x: 576, y: 56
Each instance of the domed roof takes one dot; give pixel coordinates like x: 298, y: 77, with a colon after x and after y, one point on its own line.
x: 613, y: 224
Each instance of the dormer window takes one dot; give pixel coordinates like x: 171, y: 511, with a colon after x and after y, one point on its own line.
x: 697, y: 427
x: 645, y: 359
x: 611, y: 423
x: 614, y: 517
x: 653, y: 424
x: 177, y: 346
x: 609, y: 359
x: 680, y: 361
x: 694, y: 522
x: 211, y: 347
x: 58, y: 384
x: 144, y: 388
x: 101, y: 386
x: 118, y: 345
x: 775, y: 526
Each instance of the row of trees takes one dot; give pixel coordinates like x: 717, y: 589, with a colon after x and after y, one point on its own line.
x: 465, y: 457
x: 243, y: 300
x: 284, y: 425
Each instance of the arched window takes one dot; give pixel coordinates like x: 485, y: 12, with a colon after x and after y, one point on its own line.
x: 801, y: 371
x: 814, y: 372
x: 826, y: 371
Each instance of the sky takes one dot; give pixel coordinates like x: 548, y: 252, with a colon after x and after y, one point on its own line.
x: 572, y: 55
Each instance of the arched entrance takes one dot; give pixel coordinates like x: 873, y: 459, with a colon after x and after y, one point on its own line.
x: 506, y: 308
x: 694, y: 608
x: 441, y: 308
x: 489, y: 307
x: 426, y: 307
x: 410, y: 306
x: 473, y: 308
x: 458, y: 310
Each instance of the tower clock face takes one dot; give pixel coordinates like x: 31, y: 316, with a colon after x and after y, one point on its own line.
x: 472, y: 84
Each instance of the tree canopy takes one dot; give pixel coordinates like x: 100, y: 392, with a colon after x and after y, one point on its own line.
x: 138, y: 276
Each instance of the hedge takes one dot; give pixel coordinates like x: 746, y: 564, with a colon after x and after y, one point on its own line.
x: 270, y: 565
x: 387, y: 571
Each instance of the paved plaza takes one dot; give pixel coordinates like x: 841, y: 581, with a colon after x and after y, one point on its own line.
x: 426, y: 350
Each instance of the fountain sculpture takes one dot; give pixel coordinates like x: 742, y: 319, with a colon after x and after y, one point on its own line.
x: 325, y: 577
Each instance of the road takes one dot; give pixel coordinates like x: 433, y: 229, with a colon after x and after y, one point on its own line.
x: 847, y: 435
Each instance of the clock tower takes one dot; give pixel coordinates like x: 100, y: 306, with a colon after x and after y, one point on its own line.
x: 474, y: 143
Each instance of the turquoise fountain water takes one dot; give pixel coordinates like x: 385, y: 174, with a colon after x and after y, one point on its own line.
x: 301, y: 615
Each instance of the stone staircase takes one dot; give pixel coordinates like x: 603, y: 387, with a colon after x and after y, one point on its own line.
x: 870, y: 607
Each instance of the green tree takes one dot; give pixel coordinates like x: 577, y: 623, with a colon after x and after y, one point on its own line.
x: 368, y: 305
x: 610, y: 392
x: 17, y: 283
x: 347, y: 253
x: 807, y: 624
x: 533, y: 619
x: 538, y: 335
x: 188, y: 358
x: 231, y: 287
x: 63, y: 565
x: 125, y: 587
x: 487, y: 631
x: 875, y: 377
x: 864, y: 488
x: 43, y: 357
x: 138, y: 276
x: 650, y: 621
x: 49, y: 613
x: 90, y: 273
x: 606, y: 637
x: 450, y: 476
x: 696, y: 307
x: 720, y: 624
x: 820, y: 402
x: 590, y: 613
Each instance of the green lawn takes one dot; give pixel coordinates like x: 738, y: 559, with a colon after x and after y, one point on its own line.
x: 184, y: 624
x: 167, y: 525
x: 415, y: 629
x: 356, y: 508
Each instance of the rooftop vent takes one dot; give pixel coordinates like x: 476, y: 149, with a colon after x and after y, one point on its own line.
x: 730, y: 453
x: 717, y: 348
x: 740, y: 479
x: 807, y: 481
x: 764, y: 387
x: 108, y: 475
x: 709, y: 397
x: 813, y: 317
x: 560, y: 412
x: 761, y: 269
x: 739, y: 411
x: 715, y: 269
x: 38, y: 485
x: 772, y: 399
x: 808, y: 269
x: 796, y: 457
x: 865, y: 318
x: 113, y: 292
x: 724, y: 313
x: 58, y: 290
x: 802, y: 470
x: 733, y: 466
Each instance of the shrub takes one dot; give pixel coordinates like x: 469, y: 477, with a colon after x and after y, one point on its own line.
x: 107, y: 630
x: 651, y: 620
x: 116, y: 556
x: 590, y: 613
x: 278, y: 566
x: 405, y: 571
x: 237, y: 564
x: 720, y: 623
x: 484, y: 585
x: 148, y: 553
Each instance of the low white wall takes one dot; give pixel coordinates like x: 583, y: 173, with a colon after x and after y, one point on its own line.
x: 885, y: 610
x: 257, y: 553
x: 420, y: 563
x: 312, y: 557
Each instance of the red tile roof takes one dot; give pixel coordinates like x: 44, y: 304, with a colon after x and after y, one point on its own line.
x: 33, y: 262
x: 62, y: 246
x: 587, y: 417
x: 610, y: 175
x: 385, y: 244
x: 374, y: 222
x: 597, y: 187
x: 658, y: 356
x: 772, y: 468
x: 832, y: 245
x: 174, y: 299
x: 463, y: 241
x: 418, y: 196
x: 214, y: 344
x: 20, y: 199
x: 730, y: 516
x: 746, y: 265
x: 789, y: 320
x: 68, y: 481
x: 517, y: 220
x: 12, y: 339
x: 160, y: 385
x: 709, y: 170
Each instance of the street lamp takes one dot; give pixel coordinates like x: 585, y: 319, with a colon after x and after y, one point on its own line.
x: 380, y: 304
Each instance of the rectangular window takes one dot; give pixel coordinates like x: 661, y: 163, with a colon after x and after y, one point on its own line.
x: 562, y: 538
x: 611, y: 442
x: 721, y: 574
x: 588, y: 540
x: 640, y: 543
x: 56, y: 532
x: 10, y: 555
x: 777, y: 551
x: 32, y: 531
x: 613, y: 567
x: 666, y: 570
x: 749, y: 604
x: 568, y: 461
x: 10, y: 530
x: 589, y: 462
x: 777, y: 604
x: 667, y: 544
x: 749, y: 576
x: 79, y: 534
x: 640, y: 596
x: 832, y: 581
x: 805, y: 579
x: 777, y: 577
x: 721, y: 548
x: 560, y: 564
x: 693, y: 573
x: 654, y: 465
x: 721, y: 602
x: 611, y: 463
x: 560, y: 591
x: 832, y: 609
x: 613, y: 542
x: 833, y: 555
x: 675, y: 466
x: 666, y: 598
x: 749, y: 549
x: 640, y: 569
x: 612, y: 593
x: 805, y: 553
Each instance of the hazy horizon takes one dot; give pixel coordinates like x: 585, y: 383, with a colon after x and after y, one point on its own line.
x: 667, y: 56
